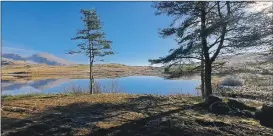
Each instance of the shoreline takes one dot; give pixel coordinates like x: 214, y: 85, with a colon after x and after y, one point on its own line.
x: 77, y: 71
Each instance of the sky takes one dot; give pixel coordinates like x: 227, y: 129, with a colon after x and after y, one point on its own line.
x: 29, y: 27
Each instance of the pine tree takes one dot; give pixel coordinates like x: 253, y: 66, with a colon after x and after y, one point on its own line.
x: 93, y: 43
x: 205, y: 30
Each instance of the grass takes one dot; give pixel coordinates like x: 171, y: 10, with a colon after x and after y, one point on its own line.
x: 181, y: 70
x: 254, y: 87
x: 113, y: 87
x: 119, y: 114
x: 36, y: 72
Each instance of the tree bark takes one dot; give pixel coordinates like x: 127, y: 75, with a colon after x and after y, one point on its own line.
x: 208, y: 61
x: 91, y: 57
x: 92, y: 80
x: 91, y: 76
x: 208, y: 87
x: 202, y: 77
x: 207, y: 74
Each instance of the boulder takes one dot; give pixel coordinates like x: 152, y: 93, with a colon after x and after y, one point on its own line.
x: 219, y: 107
x: 248, y: 114
x: 245, y: 113
x: 212, y: 99
x: 239, y: 105
x: 265, y: 115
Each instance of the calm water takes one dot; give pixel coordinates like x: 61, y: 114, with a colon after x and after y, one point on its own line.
x: 131, y: 84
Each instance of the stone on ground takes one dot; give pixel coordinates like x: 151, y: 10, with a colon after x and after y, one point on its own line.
x: 212, y: 99
x: 265, y: 115
x: 239, y: 105
x: 219, y: 108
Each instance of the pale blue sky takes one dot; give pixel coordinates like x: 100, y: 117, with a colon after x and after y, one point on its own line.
x: 49, y: 26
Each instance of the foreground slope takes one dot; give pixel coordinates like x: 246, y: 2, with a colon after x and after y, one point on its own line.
x: 118, y: 115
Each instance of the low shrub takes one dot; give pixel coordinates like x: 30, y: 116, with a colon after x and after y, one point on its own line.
x: 231, y: 81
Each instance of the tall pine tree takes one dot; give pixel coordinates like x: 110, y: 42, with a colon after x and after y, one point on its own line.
x: 205, y: 30
x: 93, y: 43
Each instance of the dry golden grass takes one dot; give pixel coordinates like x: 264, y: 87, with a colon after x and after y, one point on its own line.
x: 36, y: 72
x: 119, y: 114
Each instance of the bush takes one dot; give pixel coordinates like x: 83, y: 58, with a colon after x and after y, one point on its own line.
x: 112, y: 87
x: 231, y: 81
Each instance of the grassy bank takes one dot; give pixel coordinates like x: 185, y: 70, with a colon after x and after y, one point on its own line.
x: 36, y: 72
x: 119, y: 114
x: 254, y: 86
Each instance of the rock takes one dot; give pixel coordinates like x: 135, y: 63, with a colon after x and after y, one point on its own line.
x: 239, y: 105
x: 235, y: 112
x: 210, y: 123
x: 41, y: 127
x: 249, y: 114
x: 265, y: 115
x: 164, y: 119
x: 219, y: 108
x: 245, y: 113
x: 212, y: 99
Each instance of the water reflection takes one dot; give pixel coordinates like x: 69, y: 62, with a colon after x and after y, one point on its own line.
x: 11, y: 86
x: 131, y: 84
x: 39, y: 84
x: 48, y: 83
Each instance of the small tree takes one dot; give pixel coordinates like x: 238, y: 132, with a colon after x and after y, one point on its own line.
x: 93, y: 43
x: 204, y: 30
x: 27, y: 68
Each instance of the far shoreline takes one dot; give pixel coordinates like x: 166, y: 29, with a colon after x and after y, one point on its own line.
x: 36, y: 72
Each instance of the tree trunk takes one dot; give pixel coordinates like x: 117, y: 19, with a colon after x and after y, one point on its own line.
x: 205, y: 51
x: 202, y: 79
x: 91, y: 78
x: 208, y: 69
x: 91, y: 58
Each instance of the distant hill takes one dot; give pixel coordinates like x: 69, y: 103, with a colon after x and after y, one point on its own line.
x: 246, y: 58
x: 6, y: 61
x: 39, y: 58
x: 49, y: 59
x: 13, y: 56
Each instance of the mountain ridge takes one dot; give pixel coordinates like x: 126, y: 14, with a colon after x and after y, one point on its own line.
x: 38, y: 58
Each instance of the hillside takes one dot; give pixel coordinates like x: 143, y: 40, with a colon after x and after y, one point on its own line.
x: 39, y: 58
x: 7, y: 61
x: 75, y: 71
x: 49, y: 59
x: 257, y: 62
x: 246, y: 58
x: 261, y: 63
x: 13, y: 56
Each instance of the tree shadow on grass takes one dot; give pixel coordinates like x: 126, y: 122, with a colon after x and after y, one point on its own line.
x: 141, y: 116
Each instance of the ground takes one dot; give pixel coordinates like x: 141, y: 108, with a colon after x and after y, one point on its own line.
x: 255, y: 87
x: 119, y: 114
x: 256, y: 72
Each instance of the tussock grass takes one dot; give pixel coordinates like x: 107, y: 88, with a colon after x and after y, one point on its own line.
x: 120, y: 114
x: 231, y: 81
x: 113, y: 87
x: 255, y: 87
